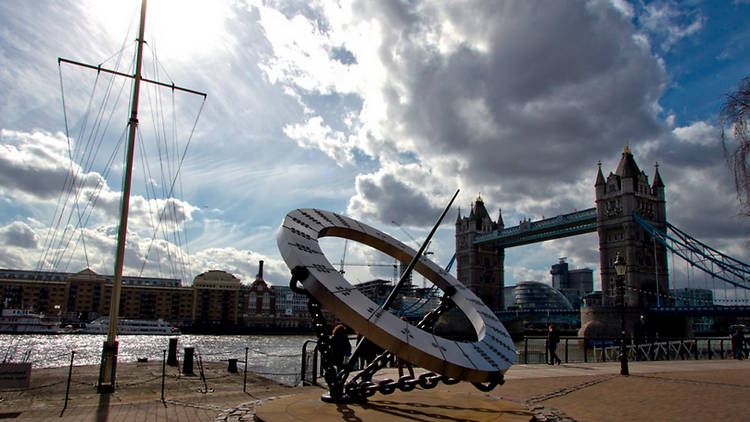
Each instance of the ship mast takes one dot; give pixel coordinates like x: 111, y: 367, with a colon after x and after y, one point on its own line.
x: 108, y: 367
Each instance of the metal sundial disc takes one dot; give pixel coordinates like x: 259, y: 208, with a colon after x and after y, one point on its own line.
x: 476, y: 362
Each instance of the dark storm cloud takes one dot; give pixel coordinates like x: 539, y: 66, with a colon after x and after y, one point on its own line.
x: 35, y: 164
x: 389, y: 199
x: 531, y: 98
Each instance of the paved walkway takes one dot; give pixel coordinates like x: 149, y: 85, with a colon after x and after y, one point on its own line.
x: 655, y: 391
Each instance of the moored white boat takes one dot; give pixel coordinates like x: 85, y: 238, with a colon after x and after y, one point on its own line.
x: 130, y: 326
x: 23, y: 321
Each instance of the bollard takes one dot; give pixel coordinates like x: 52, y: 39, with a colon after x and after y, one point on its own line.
x: 244, y: 379
x: 187, y: 362
x: 163, y: 374
x: 67, y: 388
x: 172, y: 357
x: 232, y: 366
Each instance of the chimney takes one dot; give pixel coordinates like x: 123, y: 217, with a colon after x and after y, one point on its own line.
x: 260, y: 271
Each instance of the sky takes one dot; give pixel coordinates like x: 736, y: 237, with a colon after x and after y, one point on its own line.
x: 379, y: 110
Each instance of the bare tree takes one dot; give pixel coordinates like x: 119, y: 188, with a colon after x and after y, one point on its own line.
x: 733, y: 117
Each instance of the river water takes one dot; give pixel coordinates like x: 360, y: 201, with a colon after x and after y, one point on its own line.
x: 278, y: 357
x: 271, y: 356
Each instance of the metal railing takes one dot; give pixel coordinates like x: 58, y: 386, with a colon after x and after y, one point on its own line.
x: 310, y: 363
x: 577, y: 349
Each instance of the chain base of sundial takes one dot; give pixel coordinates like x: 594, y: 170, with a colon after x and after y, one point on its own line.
x: 360, y: 387
x: 482, y: 362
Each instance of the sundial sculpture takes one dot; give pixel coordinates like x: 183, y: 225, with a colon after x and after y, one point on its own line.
x: 482, y: 362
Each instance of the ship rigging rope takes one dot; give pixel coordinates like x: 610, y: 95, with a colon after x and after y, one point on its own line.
x: 61, y: 244
x: 93, y: 129
x: 71, y: 176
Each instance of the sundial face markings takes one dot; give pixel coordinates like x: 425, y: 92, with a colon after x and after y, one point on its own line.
x: 486, y: 356
x: 496, y: 353
x: 301, y: 223
x: 298, y: 245
x: 343, y: 221
x: 311, y: 218
x: 299, y: 233
x: 435, y: 343
x: 466, y: 355
x: 503, y: 346
x: 325, y: 217
x: 502, y: 333
x: 320, y: 268
x: 362, y: 227
x: 342, y: 290
x: 304, y: 248
x: 406, y: 332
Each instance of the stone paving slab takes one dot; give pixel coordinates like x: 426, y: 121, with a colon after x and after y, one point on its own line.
x: 416, y: 405
x: 655, y: 391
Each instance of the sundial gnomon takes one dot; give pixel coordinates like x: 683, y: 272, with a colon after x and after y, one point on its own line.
x: 482, y: 362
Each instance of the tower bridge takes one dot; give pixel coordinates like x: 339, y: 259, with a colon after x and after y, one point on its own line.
x: 630, y: 219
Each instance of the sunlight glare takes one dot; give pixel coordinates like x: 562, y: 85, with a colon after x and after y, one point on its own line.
x: 179, y: 30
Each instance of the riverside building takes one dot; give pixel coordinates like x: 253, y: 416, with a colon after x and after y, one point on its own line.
x: 216, y: 301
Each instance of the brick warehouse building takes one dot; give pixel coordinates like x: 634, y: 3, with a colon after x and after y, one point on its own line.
x: 216, y: 300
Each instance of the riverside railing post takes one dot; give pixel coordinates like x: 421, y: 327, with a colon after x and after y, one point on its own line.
x: 163, y: 374
x: 525, y: 349
x: 585, y: 351
x: 244, y: 379
x: 67, y: 388
x: 696, y: 349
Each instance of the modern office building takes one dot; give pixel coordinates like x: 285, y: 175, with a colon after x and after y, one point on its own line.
x: 695, y: 297
x: 573, y: 284
x: 536, y: 295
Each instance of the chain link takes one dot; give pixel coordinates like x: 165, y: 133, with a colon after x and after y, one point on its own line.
x: 360, y: 387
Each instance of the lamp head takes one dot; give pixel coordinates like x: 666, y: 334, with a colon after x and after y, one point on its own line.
x: 620, y: 265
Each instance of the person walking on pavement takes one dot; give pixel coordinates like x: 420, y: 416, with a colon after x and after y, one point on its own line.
x: 738, y: 340
x: 400, y: 363
x: 553, y: 337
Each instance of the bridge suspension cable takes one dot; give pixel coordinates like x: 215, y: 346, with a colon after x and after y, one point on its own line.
x: 697, y: 254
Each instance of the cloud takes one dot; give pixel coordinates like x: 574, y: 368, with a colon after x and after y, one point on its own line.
x: 668, y: 22
x: 18, y: 234
x: 508, y: 110
x: 315, y: 134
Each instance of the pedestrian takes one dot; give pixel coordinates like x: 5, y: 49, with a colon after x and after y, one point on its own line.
x: 553, y: 337
x: 738, y: 343
x: 401, y: 363
x: 340, y: 346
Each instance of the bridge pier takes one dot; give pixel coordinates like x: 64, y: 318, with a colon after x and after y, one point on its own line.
x: 640, y: 323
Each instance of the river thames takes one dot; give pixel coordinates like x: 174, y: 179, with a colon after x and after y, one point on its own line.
x: 277, y: 357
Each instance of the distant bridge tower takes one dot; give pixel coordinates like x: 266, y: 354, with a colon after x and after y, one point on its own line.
x: 480, y: 267
x: 624, y: 192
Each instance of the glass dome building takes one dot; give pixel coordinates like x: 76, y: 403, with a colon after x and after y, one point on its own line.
x: 536, y: 295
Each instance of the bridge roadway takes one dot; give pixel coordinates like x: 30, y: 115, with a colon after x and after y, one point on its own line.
x: 669, y: 310
x: 527, y: 232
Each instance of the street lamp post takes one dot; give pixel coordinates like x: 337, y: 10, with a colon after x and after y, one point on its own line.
x: 620, y: 268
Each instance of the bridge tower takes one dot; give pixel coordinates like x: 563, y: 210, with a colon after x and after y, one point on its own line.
x: 480, y: 267
x: 624, y: 192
